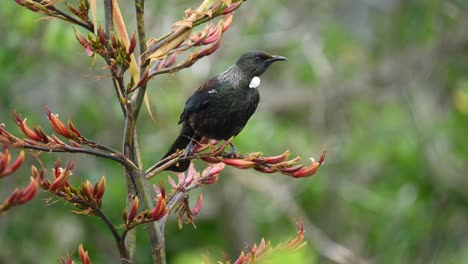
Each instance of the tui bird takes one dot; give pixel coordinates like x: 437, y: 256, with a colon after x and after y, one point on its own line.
x: 221, y: 107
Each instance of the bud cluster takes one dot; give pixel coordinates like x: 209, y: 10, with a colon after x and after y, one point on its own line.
x: 113, y: 49
x: 163, y: 52
x: 37, y: 139
x: 210, y: 152
x: 132, y: 218
x: 21, y: 196
x: 6, y: 168
x: 178, y: 200
x: 48, y: 7
x: 88, y: 197
x: 261, y: 252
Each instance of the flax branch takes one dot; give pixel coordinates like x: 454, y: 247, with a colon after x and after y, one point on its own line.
x: 69, y: 149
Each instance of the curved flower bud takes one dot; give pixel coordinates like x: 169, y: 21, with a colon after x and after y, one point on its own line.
x: 239, y: 163
x: 227, y: 23
x: 231, y: 7
x: 21, y: 197
x: 57, y: 125
x: 133, y: 210
x: 160, y: 209
x: 5, y: 167
x: 30, y: 133
x: 100, y: 188
x: 83, y: 255
x: 198, y: 205
x: 61, y: 176
x: 277, y: 159
x: 101, y: 35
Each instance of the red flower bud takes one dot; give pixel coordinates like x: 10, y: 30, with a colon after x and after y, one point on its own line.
x: 87, y: 189
x: 133, y: 42
x: 133, y: 210
x: 231, y: 8
x: 100, y: 188
x: 30, y: 191
x: 239, y: 163
x: 292, y: 169
x: 213, y: 169
x: 61, y: 176
x: 5, y: 159
x: 265, y: 169
x: 60, y: 181
x: 277, y: 159
x: 227, y: 23
x: 81, y: 39
x: 57, y: 125
x: 26, y: 130
x: 307, y: 171
x: 198, y: 205
x: 73, y: 129
x: 83, y: 255
x: 214, y: 35
x: 143, y: 78
x: 209, y: 50
x: 159, y: 210
x: 171, y: 60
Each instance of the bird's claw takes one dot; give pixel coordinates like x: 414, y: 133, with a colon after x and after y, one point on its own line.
x: 232, y: 154
x: 188, y: 150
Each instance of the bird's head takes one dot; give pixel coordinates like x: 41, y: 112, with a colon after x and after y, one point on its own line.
x: 254, y: 63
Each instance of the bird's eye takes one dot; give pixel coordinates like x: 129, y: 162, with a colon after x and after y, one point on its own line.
x: 257, y: 59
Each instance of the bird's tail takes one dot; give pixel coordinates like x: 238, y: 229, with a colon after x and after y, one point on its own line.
x: 186, y: 135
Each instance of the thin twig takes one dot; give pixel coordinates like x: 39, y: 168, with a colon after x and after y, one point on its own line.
x: 122, y: 250
x: 71, y: 19
x: 69, y: 149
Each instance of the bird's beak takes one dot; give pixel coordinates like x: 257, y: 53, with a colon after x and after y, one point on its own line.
x: 276, y: 58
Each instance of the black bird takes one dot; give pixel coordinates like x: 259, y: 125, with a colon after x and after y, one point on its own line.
x: 221, y: 107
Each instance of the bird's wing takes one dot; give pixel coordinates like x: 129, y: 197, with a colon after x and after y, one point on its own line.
x: 199, y: 99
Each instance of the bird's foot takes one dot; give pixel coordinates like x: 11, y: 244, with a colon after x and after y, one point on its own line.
x: 188, y: 150
x: 232, y: 154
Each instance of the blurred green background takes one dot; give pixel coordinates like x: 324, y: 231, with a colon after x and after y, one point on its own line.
x: 382, y: 85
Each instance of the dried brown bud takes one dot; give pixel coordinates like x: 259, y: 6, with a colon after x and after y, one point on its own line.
x: 81, y: 39
x: 133, y: 42
x: 102, y: 35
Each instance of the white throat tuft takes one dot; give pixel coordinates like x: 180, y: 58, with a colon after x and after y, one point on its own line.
x: 255, y: 82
